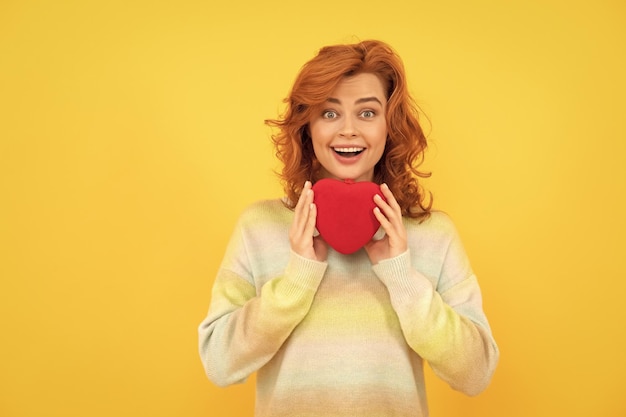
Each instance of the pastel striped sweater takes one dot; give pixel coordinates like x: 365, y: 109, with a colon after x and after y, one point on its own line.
x: 343, y: 337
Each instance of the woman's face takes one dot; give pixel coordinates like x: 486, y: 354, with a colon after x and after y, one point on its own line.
x: 349, y: 130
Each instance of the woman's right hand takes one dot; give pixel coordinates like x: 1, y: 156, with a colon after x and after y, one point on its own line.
x: 303, y: 227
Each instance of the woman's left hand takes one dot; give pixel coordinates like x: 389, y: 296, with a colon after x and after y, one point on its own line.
x: 389, y: 214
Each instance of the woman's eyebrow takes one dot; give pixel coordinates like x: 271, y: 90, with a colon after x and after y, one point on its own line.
x: 359, y: 101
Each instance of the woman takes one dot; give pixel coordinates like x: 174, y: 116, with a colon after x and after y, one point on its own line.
x: 331, y: 334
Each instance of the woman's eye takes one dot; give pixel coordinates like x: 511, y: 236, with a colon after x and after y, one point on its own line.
x: 367, y: 114
x: 329, y: 114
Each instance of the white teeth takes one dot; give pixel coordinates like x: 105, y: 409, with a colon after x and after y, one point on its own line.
x: 348, y: 149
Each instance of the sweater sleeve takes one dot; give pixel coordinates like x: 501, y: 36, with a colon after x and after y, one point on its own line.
x: 244, y: 329
x: 445, y: 325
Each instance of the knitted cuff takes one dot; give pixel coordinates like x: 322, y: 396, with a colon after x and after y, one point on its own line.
x: 305, y: 273
x: 397, y: 273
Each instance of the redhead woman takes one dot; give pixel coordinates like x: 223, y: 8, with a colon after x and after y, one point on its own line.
x: 347, y: 334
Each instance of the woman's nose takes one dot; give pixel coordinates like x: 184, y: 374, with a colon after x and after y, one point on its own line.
x: 348, y: 128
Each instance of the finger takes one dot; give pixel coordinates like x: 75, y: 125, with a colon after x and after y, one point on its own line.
x: 385, y: 209
x: 303, y: 195
x: 384, y: 221
x: 391, y: 199
x: 301, y: 211
x: 390, y: 218
x: 309, y: 228
x: 395, y: 235
x: 389, y: 205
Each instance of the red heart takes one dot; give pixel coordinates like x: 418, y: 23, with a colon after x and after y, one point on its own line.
x: 345, y: 217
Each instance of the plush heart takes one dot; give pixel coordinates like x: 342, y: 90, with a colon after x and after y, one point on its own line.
x: 345, y: 217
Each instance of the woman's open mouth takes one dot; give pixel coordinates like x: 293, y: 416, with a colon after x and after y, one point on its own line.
x: 348, y: 152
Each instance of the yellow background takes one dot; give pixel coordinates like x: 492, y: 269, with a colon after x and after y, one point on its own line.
x: 131, y: 136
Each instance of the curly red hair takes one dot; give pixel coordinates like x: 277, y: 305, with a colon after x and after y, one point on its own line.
x: 406, y: 142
